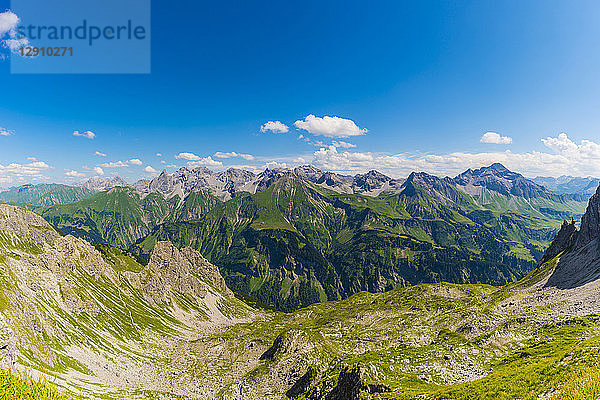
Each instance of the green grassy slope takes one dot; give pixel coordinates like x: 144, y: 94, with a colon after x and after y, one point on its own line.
x: 121, y: 216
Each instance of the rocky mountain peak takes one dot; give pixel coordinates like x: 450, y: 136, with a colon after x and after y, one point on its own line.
x: 498, y: 178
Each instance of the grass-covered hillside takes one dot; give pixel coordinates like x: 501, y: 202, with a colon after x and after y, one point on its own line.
x: 120, y: 216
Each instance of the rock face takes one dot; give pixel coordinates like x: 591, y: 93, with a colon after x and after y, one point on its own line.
x: 569, y: 238
x: 590, y: 222
x: 579, y: 262
x: 565, y: 238
x: 348, y: 387
x: 25, y: 223
x: 170, y: 269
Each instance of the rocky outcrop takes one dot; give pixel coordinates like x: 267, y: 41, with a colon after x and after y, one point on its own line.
x: 206, y: 270
x: 565, y: 238
x: 171, y: 270
x: 569, y: 238
x: 590, y: 222
x: 302, y: 384
x: 21, y: 222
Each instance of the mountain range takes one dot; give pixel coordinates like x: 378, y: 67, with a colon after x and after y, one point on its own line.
x: 95, y: 323
x: 289, y: 238
x: 568, y: 184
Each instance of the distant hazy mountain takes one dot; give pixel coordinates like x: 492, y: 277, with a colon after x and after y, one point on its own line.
x: 569, y: 184
x: 44, y: 194
x: 98, y: 183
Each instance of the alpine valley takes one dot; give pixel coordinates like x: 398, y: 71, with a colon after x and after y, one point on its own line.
x: 302, y: 284
x: 290, y: 238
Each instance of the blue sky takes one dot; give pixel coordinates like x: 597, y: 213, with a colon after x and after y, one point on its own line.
x: 418, y: 84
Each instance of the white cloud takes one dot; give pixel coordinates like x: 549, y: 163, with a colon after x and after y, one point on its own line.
x: 5, y: 132
x: 74, y: 174
x: 495, y: 138
x: 158, y: 154
x: 98, y: 171
x: 115, y: 164
x: 568, y: 157
x: 150, y: 169
x: 86, y: 134
x: 204, y: 162
x: 31, y: 158
x: 8, y: 22
x: 188, y: 156
x: 135, y: 161
x: 100, y: 154
x: 275, y: 127
x: 274, y: 165
x: 344, y: 145
x: 233, y: 154
x: 8, y: 32
x: 33, y: 169
x: 334, y: 127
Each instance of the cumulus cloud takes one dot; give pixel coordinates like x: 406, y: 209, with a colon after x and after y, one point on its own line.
x: 8, y: 22
x: 334, y: 127
x: 204, y: 162
x: 344, y: 145
x: 150, y: 169
x: 275, y: 127
x: 33, y: 171
x: 274, y: 165
x: 567, y: 157
x: 188, y: 156
x: 135, y: 161
x: 114, y: 164
x: 495, y: 138
x: 233, y: 154
x: 158, y: 154
x: 8, y: 32
x: 74, y: 174
x: 86, y: 134
x: 98, y: 171
x: 100, y: 154
x: 31, y: 158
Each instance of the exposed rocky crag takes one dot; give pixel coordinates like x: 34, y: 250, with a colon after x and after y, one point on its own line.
x: 172, y: 271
